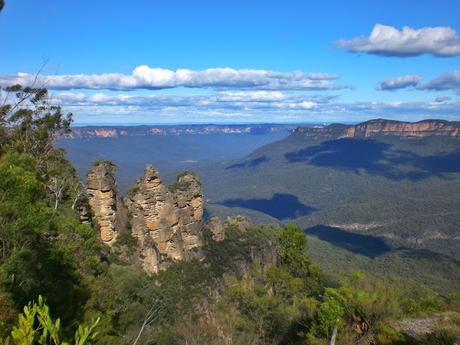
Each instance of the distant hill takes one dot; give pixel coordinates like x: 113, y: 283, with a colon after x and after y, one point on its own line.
x: 136, y: 131
x: 380, y: 191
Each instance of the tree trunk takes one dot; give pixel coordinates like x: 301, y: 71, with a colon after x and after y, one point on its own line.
x: 333, y: 336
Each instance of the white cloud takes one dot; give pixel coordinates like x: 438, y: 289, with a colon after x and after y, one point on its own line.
x: 251, y: 96
x: 445, y: 82
x: 389, y: 41
x: 145, y: 77
x: 256, y: 106
x: 243, y: 100
x: 399, y: 82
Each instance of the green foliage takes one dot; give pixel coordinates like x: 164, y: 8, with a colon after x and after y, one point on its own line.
x: 8, y: 314
x: 366, y: 299
x: 293, y: 250
x: 441, y: 338
x: 44, y: 250
x: 329, y: 315
x: 120, y: 297
x: 126, y: 238
x: 29, y: 124
x: 35, y: 326
x: 239, y: 246
x: 22, y: 208
x: 33, y: 261
x: 293, y: 256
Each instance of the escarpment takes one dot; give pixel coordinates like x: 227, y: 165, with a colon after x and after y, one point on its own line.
x: 382, y: 127
x: 166, y: 221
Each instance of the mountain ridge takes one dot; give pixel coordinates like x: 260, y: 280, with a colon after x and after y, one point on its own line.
x: 161, y: 130
x: 376, y: 127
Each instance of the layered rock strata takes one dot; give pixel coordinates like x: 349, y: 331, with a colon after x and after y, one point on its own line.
x: 104, y: 201
x: 166, y: 221
x: 381, y: 127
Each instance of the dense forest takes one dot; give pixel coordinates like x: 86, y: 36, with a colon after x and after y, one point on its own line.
x: 384, y: 202
x: 60, y: 284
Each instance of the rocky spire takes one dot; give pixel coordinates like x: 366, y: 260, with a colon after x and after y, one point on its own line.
x: 104, y: 200
x: 166, y: 221
x: 188, y: 195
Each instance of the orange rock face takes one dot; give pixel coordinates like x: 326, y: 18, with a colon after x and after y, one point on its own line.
x: 104, y: 201
x: 167, y: 219
x: 380, y: 127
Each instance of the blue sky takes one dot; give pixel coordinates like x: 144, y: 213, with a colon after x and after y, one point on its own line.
x: 245, y: 61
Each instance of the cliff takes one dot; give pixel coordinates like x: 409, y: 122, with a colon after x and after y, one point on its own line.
x: 381, y: 127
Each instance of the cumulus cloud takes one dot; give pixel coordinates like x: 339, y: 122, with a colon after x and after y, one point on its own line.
x: 447, y: 81
x: 399, y: 82
x: 145, y: 77
x: 387, y: 40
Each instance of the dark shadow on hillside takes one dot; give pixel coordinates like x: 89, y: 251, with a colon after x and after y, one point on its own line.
x: 369, y: 246
x: 376, y: 158
x: 280, y: 206
x: 249, y: 164
x: 426, y: 254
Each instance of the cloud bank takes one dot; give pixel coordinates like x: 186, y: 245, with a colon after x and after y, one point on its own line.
x: 145, y: 77
x: 237, y: 106
x: 445, y: 82
x: 387, y: 40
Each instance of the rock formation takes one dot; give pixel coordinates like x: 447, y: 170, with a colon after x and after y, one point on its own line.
x: 216, y: 226
x: 381, y: 127
x: 104, y: 201
x: 166, y: 221
x: 188, y: 196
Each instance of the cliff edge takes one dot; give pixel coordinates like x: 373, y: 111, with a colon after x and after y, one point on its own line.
x: 382, y: 127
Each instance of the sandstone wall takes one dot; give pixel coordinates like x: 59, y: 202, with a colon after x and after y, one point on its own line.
x: 104, y: 200
x: 380, y: 127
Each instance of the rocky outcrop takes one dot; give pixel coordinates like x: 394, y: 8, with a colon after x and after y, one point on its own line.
x: 216, y: 226
x: 188, y: 196
x: 381, y: 127
x: 104, y: 201
x: 166, y: 221
x: 419, y: 328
